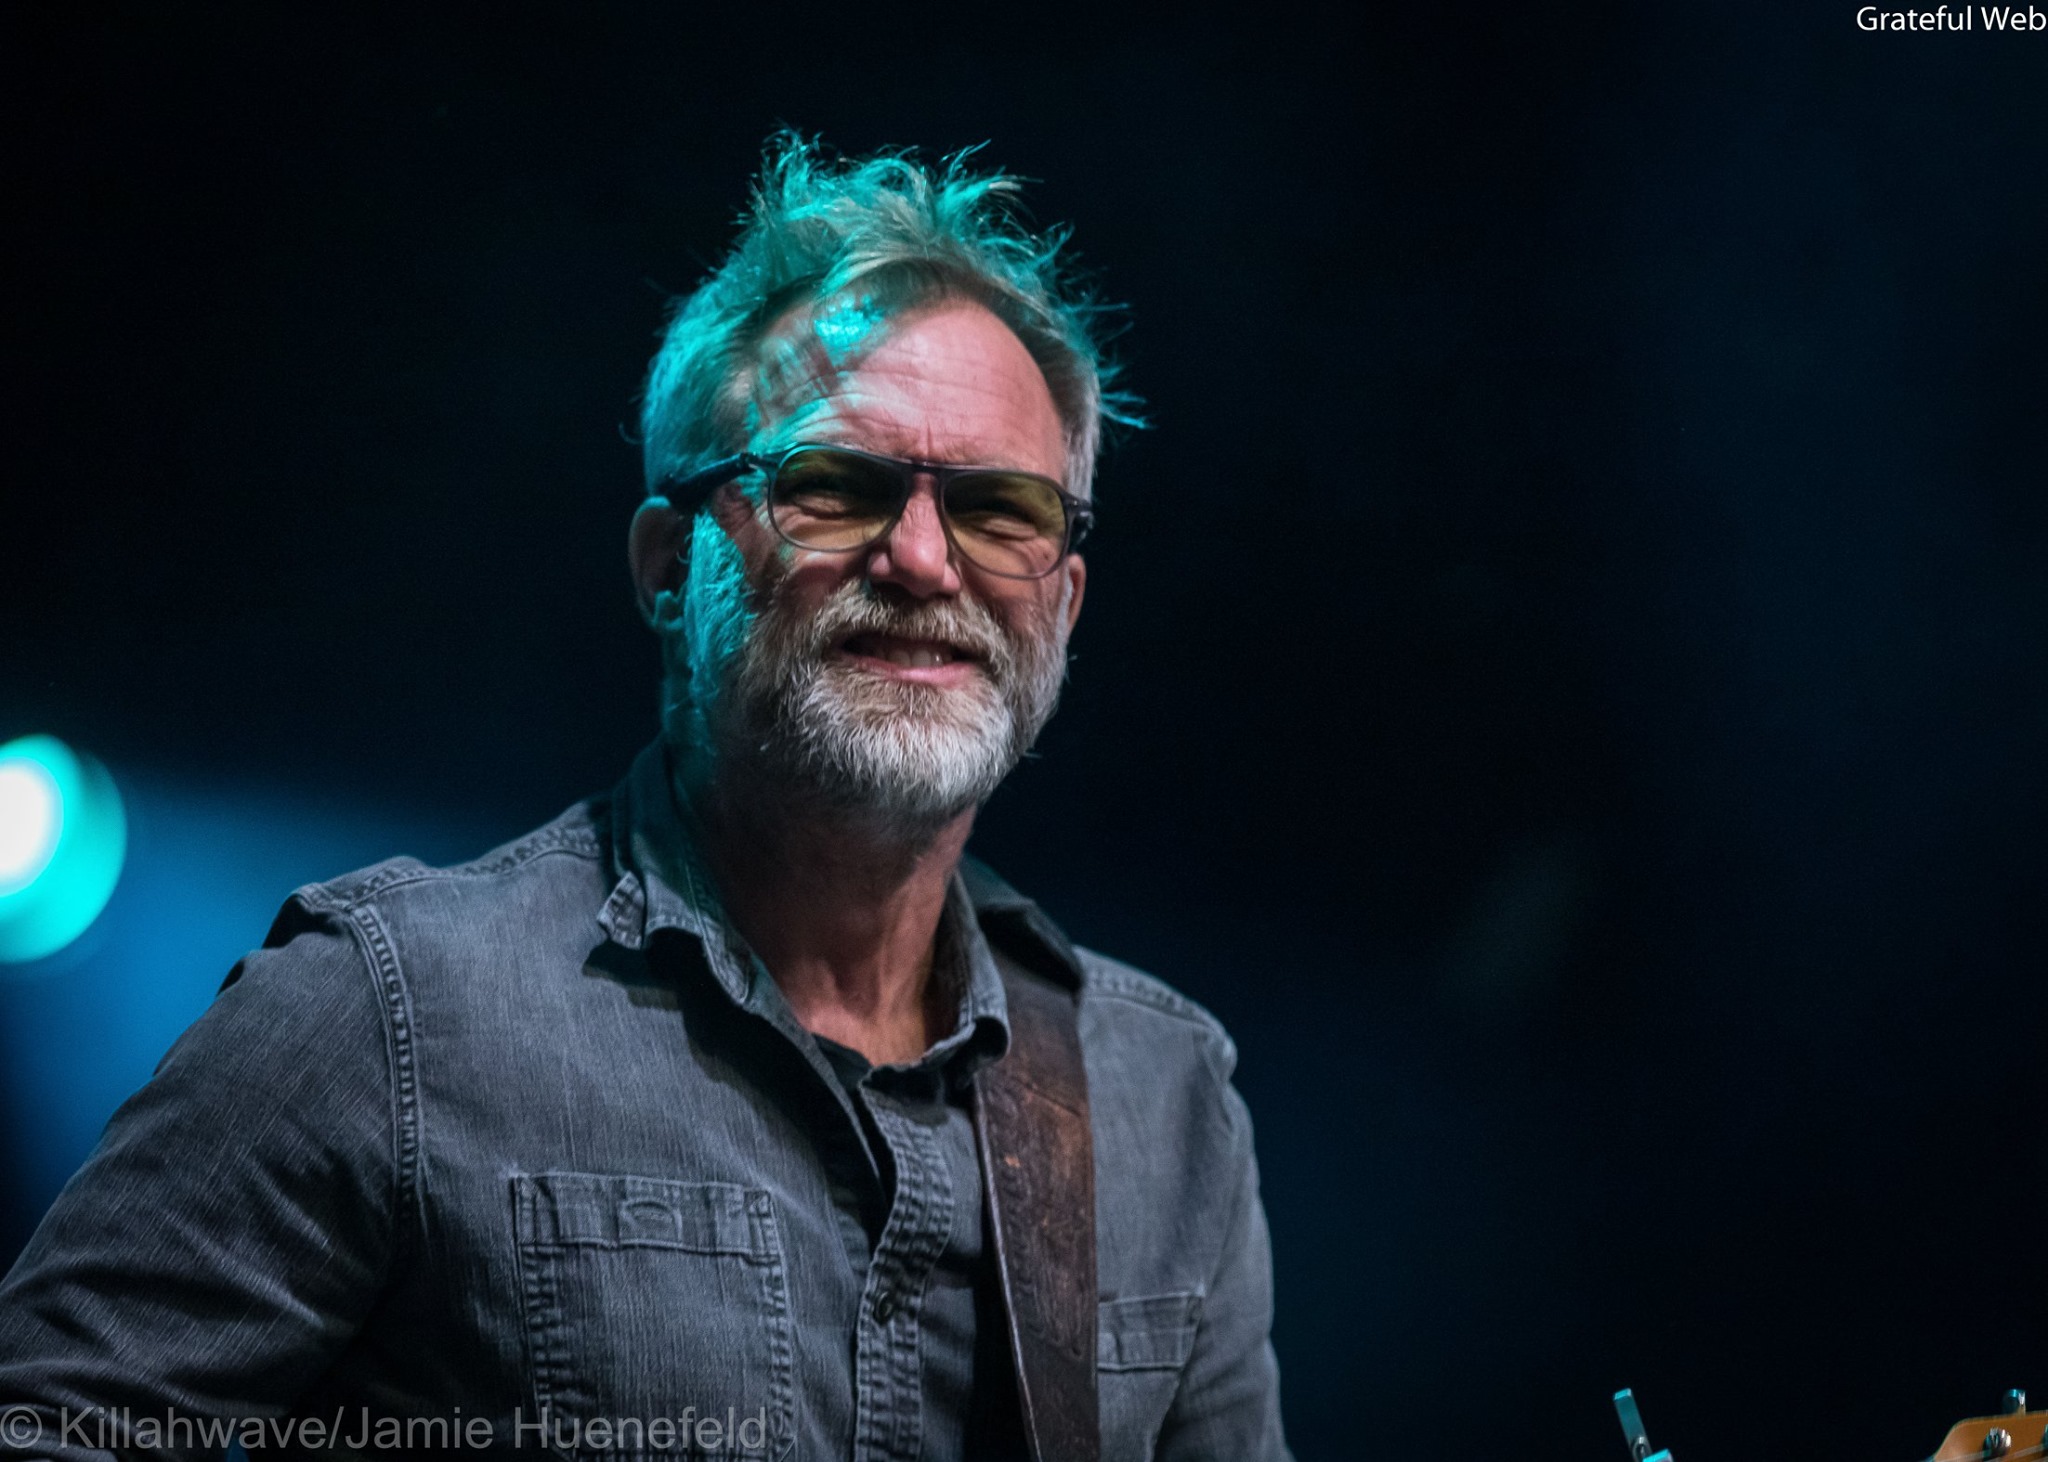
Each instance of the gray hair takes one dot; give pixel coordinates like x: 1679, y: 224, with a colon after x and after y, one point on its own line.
x: 907, y: 234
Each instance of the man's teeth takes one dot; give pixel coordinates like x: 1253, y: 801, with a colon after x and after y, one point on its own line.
x: 916, y: 657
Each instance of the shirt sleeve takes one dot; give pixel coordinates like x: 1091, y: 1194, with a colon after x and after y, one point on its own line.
x: 1228, y: 1404
x: 234, y: 1225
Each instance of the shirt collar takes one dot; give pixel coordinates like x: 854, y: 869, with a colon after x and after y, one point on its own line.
x: 662, y: 883
x: 1018, y: 925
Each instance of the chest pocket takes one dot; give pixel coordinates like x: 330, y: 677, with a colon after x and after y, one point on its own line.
x: 650, y: 1301
x: 1142, y: 1345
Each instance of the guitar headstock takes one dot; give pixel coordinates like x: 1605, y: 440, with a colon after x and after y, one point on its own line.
x: 2019, y: 1435
x: 2014, y: 1435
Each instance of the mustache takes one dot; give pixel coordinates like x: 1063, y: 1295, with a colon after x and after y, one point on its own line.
x: 962, y: 623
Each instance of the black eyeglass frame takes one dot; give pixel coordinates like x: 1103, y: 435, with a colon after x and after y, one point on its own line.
x: 689, y: 492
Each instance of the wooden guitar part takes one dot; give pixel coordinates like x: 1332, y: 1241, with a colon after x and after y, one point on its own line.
x: 2019, y: 1435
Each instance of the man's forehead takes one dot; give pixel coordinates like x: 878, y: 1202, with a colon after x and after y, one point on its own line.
x: 903, y: 381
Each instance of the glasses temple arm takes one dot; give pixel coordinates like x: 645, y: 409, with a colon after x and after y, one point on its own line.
x: 1080, y: 518
x: 687, y: 493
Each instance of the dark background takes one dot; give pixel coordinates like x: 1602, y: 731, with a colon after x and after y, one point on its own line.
x: 1563, y: 679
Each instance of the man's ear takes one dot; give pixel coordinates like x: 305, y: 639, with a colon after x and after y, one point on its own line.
x: 1077, y: 580
x: 654, y: 545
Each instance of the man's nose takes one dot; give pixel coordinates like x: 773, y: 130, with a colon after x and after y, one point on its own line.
x: 915, y: 554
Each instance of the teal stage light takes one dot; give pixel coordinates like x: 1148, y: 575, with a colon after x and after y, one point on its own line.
x: 62, y: 838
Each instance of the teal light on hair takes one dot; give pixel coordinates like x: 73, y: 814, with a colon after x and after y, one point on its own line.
x: 63, y: 835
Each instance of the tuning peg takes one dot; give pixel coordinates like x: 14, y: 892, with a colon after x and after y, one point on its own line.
x: 1632, y: 1429
x: 2014, y: 1401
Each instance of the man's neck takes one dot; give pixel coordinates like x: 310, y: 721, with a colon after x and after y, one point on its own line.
x: 844, y: 912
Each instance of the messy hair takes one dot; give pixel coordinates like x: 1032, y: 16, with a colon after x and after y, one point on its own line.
x: 906, y: 234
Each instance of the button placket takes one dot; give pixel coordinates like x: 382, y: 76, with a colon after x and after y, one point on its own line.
x: 888, y: 1363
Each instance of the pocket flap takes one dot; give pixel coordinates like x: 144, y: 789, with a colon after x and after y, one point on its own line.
x: 1149, y: 1332
x: 617, y: 1211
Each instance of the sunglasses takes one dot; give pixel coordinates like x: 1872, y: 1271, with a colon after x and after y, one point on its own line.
x: 1016, y: 525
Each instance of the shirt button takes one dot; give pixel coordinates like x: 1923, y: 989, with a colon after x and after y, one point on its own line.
x: 885, y: 1306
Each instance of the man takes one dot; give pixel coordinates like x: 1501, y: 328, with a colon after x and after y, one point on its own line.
x: 656, y: 1131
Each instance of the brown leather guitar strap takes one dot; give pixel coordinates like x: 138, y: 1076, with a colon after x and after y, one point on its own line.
x: 1038, y: 1176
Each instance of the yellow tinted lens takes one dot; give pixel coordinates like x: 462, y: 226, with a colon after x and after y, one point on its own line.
x: 1009, y: 522
x: 833, y: 500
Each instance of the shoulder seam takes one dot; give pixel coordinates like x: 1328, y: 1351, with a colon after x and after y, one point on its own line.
x: 346, y: 894
x: 1107, y: 979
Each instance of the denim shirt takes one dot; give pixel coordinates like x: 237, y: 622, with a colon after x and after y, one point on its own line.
x: 532, y: 1153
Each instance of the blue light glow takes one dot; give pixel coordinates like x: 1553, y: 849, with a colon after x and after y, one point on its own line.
x: 63, y: 835
x: 31, y: 818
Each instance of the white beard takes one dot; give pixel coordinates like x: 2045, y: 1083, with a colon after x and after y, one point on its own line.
x: 763, y: 690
